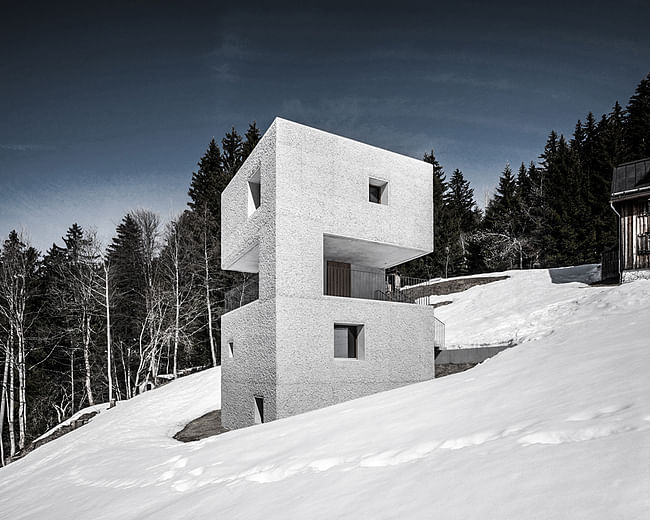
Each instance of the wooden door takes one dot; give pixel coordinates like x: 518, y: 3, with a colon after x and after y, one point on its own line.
x: 338, y: 279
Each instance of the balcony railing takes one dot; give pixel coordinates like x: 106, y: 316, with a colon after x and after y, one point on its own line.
x: 438, y: 334
x: 246, y: 291
x: 374, y: 284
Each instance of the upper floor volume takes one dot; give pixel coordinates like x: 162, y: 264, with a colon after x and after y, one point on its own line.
x: 305, y: 195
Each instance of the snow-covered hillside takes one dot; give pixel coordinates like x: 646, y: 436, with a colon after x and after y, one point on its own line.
x: 528, y: 305
x: 558, y: 427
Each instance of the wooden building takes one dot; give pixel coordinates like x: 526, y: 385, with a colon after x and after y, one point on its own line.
x: 630, y: 200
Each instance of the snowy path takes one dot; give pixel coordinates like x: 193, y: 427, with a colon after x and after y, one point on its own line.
x: 555, y: 428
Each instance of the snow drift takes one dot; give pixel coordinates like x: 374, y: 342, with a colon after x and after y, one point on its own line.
x: 558, y: 427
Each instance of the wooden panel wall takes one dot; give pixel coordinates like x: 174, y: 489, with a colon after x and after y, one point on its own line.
x: 338, y: 279
x: 635, y: 233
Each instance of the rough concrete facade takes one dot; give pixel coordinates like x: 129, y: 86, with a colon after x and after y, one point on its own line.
x: 314, y: 208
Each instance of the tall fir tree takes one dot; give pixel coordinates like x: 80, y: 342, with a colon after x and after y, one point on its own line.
x: 565, y: 208
x: 251, y: 138
x: 128, y: 310
x: 637, y: 122
x: 501, y: 214
x: 432, y: 264
x: 208, y: 182
x: 233, y: 153
x: 613, y: 138
x: 463, y: 217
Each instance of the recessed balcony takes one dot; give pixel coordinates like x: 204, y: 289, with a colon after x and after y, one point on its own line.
x: 353, y: 281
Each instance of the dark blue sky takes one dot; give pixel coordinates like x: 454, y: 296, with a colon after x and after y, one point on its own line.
x: 106, y: 109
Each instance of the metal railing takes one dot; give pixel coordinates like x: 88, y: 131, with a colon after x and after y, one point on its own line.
x: 438, y: 334
x: 246, y: 291
x: 374, y: 284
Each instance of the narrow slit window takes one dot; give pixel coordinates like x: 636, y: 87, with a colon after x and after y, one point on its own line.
x: 259, y: 409
x: 254, y: 193
x: 231, y: 349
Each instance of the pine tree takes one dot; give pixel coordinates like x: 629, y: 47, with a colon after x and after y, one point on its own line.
x: 460, y: 201
x: 463, y: 217
x: 565, y: 208
x: 435, y: 262
x: 128, y: 309
x: 432, y: 264
x: 208, y: 182
x: 233, y: 154
x: 215, y: 172
x: 501, y: 213
x: 612, y: 137
x: 252, y: 137
x: 71, y: 283
x: 637, y: 122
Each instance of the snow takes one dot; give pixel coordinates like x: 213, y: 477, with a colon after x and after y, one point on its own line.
x: 558, y: 427
x: 527, y: 306
x: 89, y: 409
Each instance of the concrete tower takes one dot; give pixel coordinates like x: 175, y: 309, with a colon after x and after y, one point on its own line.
x: 320, y: 218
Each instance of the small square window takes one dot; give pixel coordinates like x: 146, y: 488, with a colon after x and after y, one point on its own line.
x: 377, y: 191
x: 348, y: 341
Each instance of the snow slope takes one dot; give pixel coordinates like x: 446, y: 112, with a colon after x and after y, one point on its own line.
x: 558, y: 427
x: 525, y: 307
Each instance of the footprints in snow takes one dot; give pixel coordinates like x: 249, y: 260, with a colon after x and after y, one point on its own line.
x: 581, y: 426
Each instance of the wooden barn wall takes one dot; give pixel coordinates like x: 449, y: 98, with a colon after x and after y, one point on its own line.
x: 635, y: 233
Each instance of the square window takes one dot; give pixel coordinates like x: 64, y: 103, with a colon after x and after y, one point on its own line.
x: 377, y: 191
x: 348, y: 341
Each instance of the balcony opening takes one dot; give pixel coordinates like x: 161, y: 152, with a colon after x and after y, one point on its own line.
x: 377, y: 191
x: 254, y: 193
x: 244, y: 291
x: 348, y: 341
x: 355, y: 268
x: 259, y: 409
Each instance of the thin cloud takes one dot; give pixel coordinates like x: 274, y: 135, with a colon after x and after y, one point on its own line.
x: 472, y: 81
x: 28, y: 147
x: 224, y: 73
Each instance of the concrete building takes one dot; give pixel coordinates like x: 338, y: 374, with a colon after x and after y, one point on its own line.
x: 320, y: 218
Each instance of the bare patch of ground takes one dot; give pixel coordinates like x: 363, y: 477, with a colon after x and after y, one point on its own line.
x: 447, y: 369
x: 59, y: 432
x: 205, y: 426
